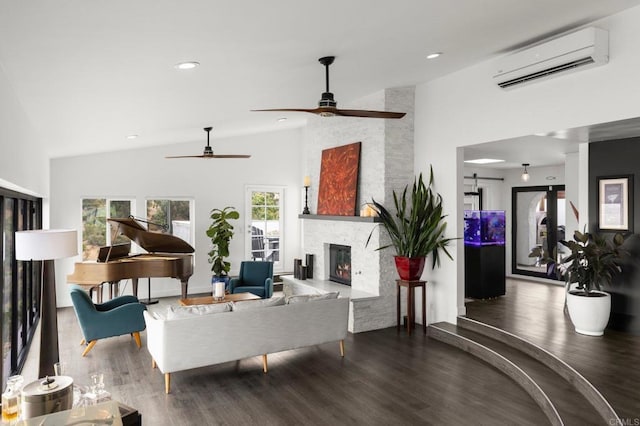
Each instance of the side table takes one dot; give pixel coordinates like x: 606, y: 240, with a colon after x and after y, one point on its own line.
x: 411, y: 304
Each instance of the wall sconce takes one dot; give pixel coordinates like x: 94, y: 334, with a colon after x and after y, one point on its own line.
x: 525, y: 174
x: 307, y: 184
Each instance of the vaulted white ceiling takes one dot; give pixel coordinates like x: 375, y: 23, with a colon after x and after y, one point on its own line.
x: 89, y: 73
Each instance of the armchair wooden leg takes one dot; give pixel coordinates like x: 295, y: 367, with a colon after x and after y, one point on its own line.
x: 342, y: 348
x: 136, y: 335
x: 264, y: 363
x: 167, y: 382
x: 89, y: 347
x: 82, y: 342
x: 153, y: 363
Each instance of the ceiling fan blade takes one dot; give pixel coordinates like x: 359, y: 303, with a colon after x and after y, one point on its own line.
x: 208, y: 152
x: 331, y: 111
x: 227, y: 156
x: 368, y: 114
x: 327, y: 106
x: 313, y: 111
x: 211, y: 156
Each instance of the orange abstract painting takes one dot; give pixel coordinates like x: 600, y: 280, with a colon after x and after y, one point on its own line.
x: 338, y: 191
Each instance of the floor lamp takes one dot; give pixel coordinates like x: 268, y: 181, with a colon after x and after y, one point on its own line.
x: 47, y: 245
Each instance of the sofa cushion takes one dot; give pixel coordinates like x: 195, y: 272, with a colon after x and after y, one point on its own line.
x: 301, y: 298
x: 248, y: 305
x: 174, y: 312
x: 156, y: 314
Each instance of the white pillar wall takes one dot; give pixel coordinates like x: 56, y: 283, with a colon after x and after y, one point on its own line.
x: 386, y: 150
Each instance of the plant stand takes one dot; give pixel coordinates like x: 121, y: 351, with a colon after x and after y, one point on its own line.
x: 411, y: 308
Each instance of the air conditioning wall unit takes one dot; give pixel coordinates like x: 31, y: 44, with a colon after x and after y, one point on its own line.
x: 579, y: 50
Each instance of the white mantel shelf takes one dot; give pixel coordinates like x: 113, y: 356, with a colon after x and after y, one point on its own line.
x: 370, y: 219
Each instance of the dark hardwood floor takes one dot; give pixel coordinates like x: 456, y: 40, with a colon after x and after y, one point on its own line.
x: 535, y: 312
x: 386, y: 378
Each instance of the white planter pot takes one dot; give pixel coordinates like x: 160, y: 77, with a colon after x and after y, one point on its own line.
x: 589, y: 314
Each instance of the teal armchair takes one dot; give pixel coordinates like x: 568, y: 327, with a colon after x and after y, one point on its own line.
x: 255, y: 277
x: 121, y: 315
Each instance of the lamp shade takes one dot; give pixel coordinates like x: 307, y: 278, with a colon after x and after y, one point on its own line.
x: 46, y: 244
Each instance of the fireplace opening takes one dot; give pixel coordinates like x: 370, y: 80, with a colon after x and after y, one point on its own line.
x: 340, y: 264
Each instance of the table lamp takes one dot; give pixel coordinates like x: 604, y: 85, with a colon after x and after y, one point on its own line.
x: 47, y: 245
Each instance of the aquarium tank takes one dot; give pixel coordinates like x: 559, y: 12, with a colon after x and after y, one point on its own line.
x: 484, y: 227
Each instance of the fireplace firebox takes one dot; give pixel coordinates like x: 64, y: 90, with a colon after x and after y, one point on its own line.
x: 340, y: 264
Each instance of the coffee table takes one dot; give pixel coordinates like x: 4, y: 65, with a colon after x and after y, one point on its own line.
x: 208, y: 300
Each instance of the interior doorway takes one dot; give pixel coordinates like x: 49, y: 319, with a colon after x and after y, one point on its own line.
x: 539, y: 221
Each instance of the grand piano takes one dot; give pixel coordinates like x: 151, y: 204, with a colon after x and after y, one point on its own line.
x: 168, y: 256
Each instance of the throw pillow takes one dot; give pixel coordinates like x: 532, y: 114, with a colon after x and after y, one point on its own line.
x: 301, y: 298
x: 174, y: 312
x: 156, y: 314
x: 325, y: 296
x: 248, y: 305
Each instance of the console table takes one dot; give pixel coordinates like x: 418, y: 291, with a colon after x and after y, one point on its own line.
x: 411, y: 304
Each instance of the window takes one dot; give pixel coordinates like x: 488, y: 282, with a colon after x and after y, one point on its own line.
x: 20, y: 287
x: 95, y: 212
x: 170, y: 217
x: 264, y: 241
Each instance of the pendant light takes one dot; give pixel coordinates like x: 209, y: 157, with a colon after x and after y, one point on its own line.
x: 525, y: 174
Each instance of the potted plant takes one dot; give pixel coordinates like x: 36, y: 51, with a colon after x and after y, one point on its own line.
x: 221, y: 231
x: 593, y: 262
x: 416, y: 228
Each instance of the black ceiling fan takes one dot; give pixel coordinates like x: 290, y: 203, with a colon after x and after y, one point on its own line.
x: 208, y: 152
x: 327, y: 107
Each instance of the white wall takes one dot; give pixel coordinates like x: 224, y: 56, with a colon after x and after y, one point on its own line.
x: 211, y: 183
x: 466, y: 108
x: 22, y: 167
x: 493, y: 191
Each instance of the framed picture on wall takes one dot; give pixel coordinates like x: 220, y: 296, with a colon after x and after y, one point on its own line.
x: 615, y: 201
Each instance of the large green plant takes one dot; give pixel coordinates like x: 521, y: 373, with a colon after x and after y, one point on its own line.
x: 221, y: 231
x: 417, y: 227
x: 593, y: 262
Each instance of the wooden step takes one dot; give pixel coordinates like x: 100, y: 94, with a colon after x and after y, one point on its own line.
x: 562, y: 393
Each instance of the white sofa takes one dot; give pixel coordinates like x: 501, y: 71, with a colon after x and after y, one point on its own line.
x: 199, y: 339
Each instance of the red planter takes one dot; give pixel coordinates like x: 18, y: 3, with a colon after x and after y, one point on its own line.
x: 410, y: 268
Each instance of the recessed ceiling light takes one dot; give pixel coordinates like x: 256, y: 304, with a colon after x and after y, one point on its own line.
x: 132, y: 136
x: 484, y: 161
x: 189, y: 65
x: 433, y: 55
x: 281, y: 119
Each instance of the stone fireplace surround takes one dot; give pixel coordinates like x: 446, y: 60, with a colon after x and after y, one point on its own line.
x: 386, y: 164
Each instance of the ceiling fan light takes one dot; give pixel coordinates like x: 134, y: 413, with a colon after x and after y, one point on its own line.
x: 327, y: 101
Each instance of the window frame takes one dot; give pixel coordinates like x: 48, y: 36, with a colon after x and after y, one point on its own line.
x: 26, y: 215
x: 108, y: 201
x: 192, y: 210
x: 278, y: 266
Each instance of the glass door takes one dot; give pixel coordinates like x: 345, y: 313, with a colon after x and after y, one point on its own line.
x: 539, y: 218
x: 264, y: 229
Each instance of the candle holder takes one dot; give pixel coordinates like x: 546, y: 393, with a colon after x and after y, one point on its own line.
x: 306, y: 200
